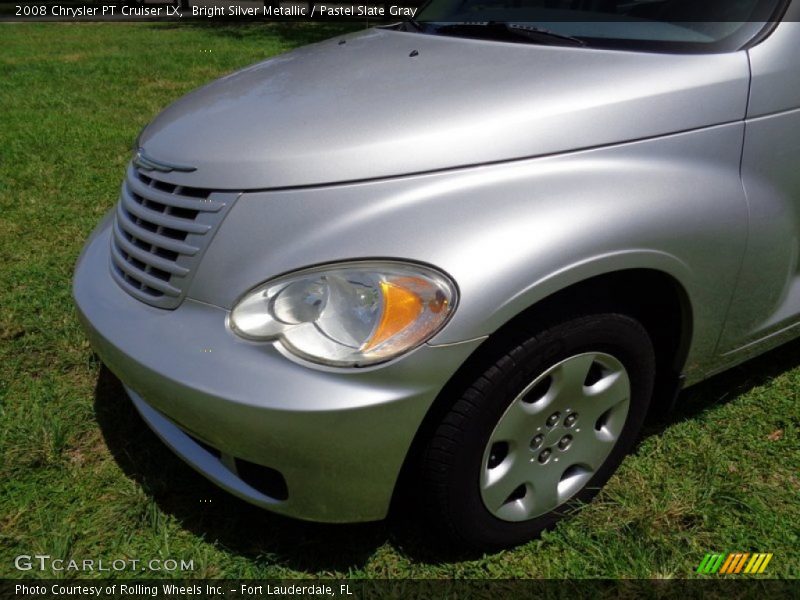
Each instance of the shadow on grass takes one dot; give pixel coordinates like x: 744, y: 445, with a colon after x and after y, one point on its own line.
x: 218, y: 517
x: 213, y: 514
x: 729, y: 385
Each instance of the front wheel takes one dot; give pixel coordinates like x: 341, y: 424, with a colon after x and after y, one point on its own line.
x: 543, y: 427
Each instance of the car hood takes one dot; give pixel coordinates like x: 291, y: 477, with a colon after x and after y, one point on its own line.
x: 384, y: 103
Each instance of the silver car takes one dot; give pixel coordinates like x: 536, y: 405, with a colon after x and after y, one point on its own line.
x: 462, y: 257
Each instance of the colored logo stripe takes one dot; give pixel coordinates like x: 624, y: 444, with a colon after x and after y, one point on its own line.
x: 734, y: 563
x: 728, y: 562
x: 758, y: 563
x: 710, y: 563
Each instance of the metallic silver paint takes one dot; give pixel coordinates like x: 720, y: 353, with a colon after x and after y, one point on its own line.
x: 517, y: 170
x: 338, y: 436
x: 764, y: 310
x: 512, y: 234
x: 366, y: 110
x: 554, y: 447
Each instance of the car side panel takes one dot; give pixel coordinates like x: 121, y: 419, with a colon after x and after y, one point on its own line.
x: 775, y: 71
x: 766, y: 304
x: 512, y: 234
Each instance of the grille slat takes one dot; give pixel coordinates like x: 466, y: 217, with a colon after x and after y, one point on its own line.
x: 193, y: 198
x: 159, y: 233
x: 151, y: 237
x: 162, y: 219
x: 140, y: 273
x: 170, y: 266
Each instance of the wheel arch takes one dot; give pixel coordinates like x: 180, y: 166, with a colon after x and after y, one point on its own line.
x: 653, y: 297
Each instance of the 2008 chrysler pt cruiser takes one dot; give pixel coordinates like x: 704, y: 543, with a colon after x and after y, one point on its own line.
x: 464, y: 256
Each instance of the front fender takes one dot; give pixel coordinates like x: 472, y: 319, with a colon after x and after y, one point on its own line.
x: 514, y: 233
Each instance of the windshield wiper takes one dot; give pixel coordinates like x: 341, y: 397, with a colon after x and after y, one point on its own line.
x: 414, y: 23
x: 497, y: 30
x: 531, y: 31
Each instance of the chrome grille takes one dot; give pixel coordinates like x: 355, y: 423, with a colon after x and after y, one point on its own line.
x: 160, y: 232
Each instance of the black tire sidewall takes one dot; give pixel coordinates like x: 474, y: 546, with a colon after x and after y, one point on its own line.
x: 617, y: 335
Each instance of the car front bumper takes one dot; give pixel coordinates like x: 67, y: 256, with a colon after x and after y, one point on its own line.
x: 337, y: 437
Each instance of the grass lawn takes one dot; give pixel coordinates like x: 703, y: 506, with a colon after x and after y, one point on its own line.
x: 82, y: 477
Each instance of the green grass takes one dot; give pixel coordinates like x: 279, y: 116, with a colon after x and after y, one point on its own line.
x: 82, y: 477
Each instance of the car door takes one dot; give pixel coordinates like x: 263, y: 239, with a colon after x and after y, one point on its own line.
x: 765, y: 308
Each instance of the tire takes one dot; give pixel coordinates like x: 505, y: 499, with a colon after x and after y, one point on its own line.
x: 531, y: 419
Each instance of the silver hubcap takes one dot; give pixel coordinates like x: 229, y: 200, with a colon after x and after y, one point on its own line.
x: 553, y: 437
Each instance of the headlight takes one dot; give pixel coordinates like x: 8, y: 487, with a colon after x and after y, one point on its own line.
x: 348, y: 314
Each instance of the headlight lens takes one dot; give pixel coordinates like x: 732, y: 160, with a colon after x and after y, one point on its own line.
x: 350, y: 314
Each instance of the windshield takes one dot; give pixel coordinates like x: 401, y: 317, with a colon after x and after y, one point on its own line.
x: 655, y: 25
